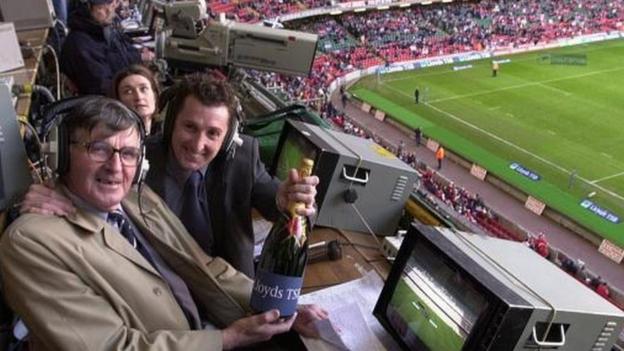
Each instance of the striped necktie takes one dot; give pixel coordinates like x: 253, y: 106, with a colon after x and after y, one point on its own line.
x: 118, y: 219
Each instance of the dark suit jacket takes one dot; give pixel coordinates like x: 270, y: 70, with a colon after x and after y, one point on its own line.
x: 234, y: 187
x: 91, y: 59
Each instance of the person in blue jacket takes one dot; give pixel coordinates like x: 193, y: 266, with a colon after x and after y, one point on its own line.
x: 95, y: 49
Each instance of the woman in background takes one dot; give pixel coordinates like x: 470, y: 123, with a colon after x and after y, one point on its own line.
x: 137, y: 88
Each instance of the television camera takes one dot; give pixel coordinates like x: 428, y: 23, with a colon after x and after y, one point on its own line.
x: 190, y: 39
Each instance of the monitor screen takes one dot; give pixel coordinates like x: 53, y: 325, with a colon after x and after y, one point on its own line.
x: 291, y: 151
x: 450, y: 290
x: 153, y: 15
x: 147, y: 13
x: 434, y: 304
x: 14, y: 165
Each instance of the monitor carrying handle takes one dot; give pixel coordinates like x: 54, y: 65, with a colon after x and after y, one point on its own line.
x: 550, y: 343
x: 354, y: 178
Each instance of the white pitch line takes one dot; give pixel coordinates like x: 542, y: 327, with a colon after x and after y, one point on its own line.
x: 496, y: 137
x: 606, y: 155
x: 484, y: 62
x: 397, y: 90
x: 561, y: 91
x: 607, y: 177
x: 529, y: 84
x: 428, y: 74
x: 508, y: 143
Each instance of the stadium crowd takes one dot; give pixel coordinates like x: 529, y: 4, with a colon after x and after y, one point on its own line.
x: 360, y: 40
x: 254, y: 11
x: 357, y: 41
x: 347, y: 43
x: 471, y: 207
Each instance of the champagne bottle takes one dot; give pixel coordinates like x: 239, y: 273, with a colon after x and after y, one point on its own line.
x: 279, y: 276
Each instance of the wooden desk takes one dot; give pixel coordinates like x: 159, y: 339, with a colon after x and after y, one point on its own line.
x: 359, y: 254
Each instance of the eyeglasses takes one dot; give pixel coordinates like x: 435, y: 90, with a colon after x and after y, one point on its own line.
x: 100, y: 151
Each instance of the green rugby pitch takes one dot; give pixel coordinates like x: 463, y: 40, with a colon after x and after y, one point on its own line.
x: 554, y: 120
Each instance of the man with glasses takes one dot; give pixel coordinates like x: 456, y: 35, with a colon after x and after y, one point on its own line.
x: 212, y: 191
x: 122, y: 272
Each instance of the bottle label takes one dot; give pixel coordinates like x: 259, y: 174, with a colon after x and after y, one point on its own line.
x: 275, y: 291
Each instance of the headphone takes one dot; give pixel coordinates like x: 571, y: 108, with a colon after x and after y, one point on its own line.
x: 170, y: 101
x: 55, y: 135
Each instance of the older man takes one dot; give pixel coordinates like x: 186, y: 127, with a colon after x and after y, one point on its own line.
x: 209, y: 186
x: 95, y: 49
x: 121, y: 271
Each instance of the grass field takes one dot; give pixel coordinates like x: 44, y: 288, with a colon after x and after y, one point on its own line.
x: 556, y: 120
x: 425, y: 320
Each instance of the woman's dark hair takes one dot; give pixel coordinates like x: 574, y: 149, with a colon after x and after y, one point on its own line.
x: 136, y: 70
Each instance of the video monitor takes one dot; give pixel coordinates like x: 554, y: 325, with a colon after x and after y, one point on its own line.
x: 147, y: 13
x: 347, y: 166
x: 152, y: 12
x: 434, y: 306
x: 158, y: 20
x: 14, y: 169
x: 141, y: 6
x: 450, y: 290
x: 294, y: 148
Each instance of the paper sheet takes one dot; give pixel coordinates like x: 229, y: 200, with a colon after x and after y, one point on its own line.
x: 351, y: 325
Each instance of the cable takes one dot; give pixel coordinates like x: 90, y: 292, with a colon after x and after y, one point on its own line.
x: 373, y: 260
x: 350, y: 188
x: 58, y: 71
x: 34, y: 170
x: 38, y: 168
x: 369, y: 261
x: 35, y: 88
x: 63, y: 26
x: 140, y: 201
x: 370, y: 231
x: 359, y: 245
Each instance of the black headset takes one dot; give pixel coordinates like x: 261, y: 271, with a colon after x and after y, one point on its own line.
x: 55, y: 134
x: 170, y: 101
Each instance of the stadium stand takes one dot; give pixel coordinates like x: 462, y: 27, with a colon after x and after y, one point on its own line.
x: 354, y: 41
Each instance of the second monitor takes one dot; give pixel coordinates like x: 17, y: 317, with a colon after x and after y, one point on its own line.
x: 363, y: 186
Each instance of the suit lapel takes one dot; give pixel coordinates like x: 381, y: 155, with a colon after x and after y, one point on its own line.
x: 154, y: 228
x: 91, y: 223
x: 146, y: 218
x: 116, y: 242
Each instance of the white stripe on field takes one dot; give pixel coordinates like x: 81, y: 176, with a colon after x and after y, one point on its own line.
x: 529, y: 84
x: 484, y: 62
x: 607, y: 177
x: 557, y: 90
x: 496, y: 137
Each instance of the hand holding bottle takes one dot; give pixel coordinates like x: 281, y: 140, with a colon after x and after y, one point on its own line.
x: 298, y: 189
